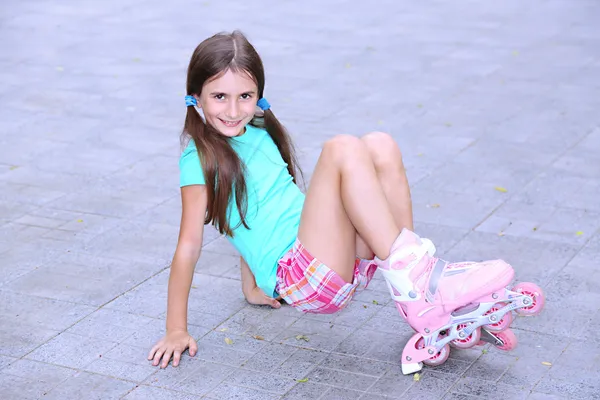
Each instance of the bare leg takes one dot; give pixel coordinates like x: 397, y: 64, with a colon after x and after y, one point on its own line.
x: 387, y: 160
x: 345, y: 197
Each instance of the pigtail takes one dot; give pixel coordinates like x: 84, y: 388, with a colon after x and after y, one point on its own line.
x: 223, y: 170
x: 284, y: 143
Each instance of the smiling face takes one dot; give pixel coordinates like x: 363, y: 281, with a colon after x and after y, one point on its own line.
x: 229, y: 102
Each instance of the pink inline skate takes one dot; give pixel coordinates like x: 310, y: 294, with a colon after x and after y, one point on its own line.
x: 452, y: 304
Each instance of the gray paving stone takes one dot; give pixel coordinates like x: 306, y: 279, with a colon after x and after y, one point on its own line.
x: 70, y: 350
x: 48, y: 374
x: 451, y: 209
x: 121, y: 370
x: 51, y: 314
x: 228, y: 391
x: 544, y: 396
x: 367, y: 343
x: 343, y: 379
x: 533, y: 260
x: 6, y: 361
x: 148, y: 392
x: 580, y: 389
x: 196, y: 376
x: 560, y: 225
x: 270, y: 358
x: 301, y: 362
x: 90, y: 386
x: 18, y: 338
x: 485, y: 388
x: 307, y: 391
x: 491, y: 366
x: 152, y: 331
x: 261, y: 381
x: 431, y: 385
x: 22, y: 388
x: 110, y: 325
x: 356, y: 365
x: 321, y: 336
x: 342, y: 394
x: 393, y: 384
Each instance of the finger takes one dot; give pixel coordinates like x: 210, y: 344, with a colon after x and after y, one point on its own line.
x: 193, y: 347
x: 176, y: 358
x: 157, y: 356
x: 152, y: 351
x: 166, y: 358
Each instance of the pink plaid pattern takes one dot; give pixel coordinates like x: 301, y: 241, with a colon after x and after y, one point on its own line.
x: 310, y: 286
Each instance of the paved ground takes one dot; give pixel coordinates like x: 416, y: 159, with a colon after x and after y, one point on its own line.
x: 480, y: 95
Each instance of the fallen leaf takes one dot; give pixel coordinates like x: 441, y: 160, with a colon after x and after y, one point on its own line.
x: 484, y: 351
x: 136, y: 59
x: 375, y: 302
x: 348, y: 65
x: 13, y: 167
x: 228, y: 341
x: 500, y: 233
x: 501, y: 189
x: 380, y: 122
x: 435, y: 205
x: 420, y: 155
x: 515, y: 53
x: 194, y: 287
x: 302, y: 380
x: 302, y: 337
x: 79, y: 220
x: 223, y: 330
x: 258, y: 337
x: 535, y: 228
x: 417, y: 377
x: 549, y: 364
x: 579, y: 233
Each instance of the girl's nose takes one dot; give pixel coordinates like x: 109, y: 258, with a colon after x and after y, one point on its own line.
x: 232, y: 109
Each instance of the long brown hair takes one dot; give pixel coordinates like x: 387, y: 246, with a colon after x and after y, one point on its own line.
x: 223, y: 169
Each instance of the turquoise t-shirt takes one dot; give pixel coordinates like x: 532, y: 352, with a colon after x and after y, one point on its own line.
x: 274, y: 203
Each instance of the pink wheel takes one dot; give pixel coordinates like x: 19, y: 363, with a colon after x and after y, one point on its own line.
x: 501, y: 325
x: 535, y: 293
x: 469, y: 341
x: 437, y: 359
x: 509, y: 339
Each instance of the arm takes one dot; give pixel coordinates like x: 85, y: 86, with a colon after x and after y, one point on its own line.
x: 187, y: 253
x: 252, y: 293
x: 189, y: 245
x: 248, y: 281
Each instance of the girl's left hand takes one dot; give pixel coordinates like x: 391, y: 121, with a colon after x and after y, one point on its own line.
x: 258, y: 297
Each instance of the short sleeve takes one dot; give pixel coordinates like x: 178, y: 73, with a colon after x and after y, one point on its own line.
x: 190, y: 169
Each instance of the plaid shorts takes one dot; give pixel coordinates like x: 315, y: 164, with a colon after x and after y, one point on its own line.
x: 310, y: 286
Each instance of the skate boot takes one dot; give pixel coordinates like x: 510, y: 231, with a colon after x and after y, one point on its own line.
x: 458, y: 304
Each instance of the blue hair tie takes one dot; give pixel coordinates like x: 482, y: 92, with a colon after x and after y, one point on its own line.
x: 263, y: 104
x: 190, y: 101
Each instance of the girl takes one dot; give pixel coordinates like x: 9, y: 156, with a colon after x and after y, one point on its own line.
x: 239, y: 172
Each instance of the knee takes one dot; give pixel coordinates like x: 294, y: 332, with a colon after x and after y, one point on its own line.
x: 342, y: 147
x: 383, y: 150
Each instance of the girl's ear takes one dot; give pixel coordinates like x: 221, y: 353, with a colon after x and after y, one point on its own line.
x: 197, y: 97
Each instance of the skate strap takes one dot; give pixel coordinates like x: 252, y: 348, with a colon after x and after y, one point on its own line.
x: 434, y: 279
x: 418, y: 251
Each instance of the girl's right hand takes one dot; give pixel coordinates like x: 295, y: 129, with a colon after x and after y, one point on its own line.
x: 173, y: 344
